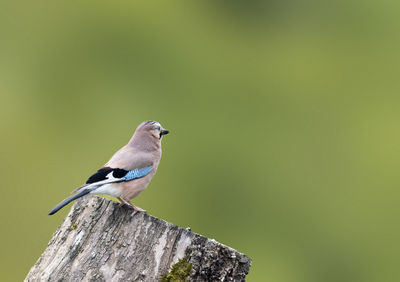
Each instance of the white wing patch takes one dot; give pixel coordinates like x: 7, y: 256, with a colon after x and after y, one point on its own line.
x: 110, y: 179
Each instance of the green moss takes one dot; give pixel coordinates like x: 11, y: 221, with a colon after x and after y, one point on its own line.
x: 74, y: 226
x: 179, y: 272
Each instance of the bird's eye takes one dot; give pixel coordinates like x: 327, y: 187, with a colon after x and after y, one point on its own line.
x: 158, y: 128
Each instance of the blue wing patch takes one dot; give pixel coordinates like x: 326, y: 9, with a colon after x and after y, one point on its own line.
x: 137, y: 173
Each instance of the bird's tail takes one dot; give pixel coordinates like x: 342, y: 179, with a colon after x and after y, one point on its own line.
x: 70, y: 199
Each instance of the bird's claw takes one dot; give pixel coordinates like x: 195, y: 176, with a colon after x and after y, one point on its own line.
x: 137, y: 210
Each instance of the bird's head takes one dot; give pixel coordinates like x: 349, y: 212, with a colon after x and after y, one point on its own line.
x: 152, y: 128
x: 148, y: 133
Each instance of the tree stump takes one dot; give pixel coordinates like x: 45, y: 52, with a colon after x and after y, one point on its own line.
x: 101, y: 241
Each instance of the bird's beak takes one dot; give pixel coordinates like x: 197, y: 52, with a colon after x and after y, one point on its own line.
x: 164, y: 132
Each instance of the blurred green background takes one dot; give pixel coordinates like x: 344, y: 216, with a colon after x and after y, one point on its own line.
x: 284, y: 120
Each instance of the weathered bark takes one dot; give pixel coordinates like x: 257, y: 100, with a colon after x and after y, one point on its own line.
x: 100, y: 241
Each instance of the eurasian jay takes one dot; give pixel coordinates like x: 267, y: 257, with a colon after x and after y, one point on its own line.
x: 129, y: 170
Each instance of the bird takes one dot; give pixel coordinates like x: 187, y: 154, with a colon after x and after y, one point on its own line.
x: 129, y: 171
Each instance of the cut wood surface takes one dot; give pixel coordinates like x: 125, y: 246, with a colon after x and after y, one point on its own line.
x: 101, y: 241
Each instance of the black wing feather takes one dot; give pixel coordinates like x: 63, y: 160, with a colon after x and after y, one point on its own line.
x: 101, y: 174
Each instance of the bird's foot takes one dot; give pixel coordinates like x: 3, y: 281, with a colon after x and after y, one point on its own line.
x: 136, y: 209
x: 128, y: 203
